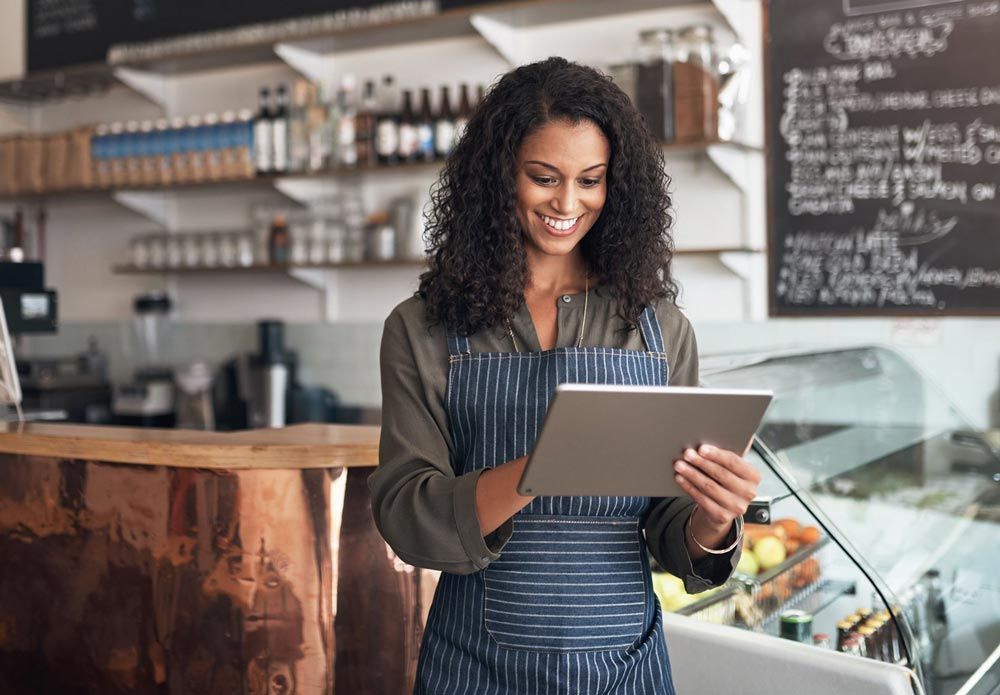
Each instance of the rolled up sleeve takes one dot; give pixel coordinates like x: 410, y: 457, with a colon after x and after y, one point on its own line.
x: 424, y: 511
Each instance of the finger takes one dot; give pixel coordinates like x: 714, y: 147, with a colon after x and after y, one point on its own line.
x: 731, y: 461
x: 722, y: 475
x: 715, y: 513
x: 729, y: 501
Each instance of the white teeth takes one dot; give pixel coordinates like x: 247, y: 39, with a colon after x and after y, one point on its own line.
x: 561, y: 225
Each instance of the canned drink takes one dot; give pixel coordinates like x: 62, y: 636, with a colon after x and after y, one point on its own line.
x: 796, y: 625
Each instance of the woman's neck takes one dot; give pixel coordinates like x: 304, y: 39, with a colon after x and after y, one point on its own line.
x: 555, y: 275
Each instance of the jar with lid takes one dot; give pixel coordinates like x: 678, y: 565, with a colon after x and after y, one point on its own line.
x: 191, y: 250
x: 381, y: 238
x: 696, y: 86
x: 140, y: 251
x: 298, y: 235
x: 654, y: 81
x: 175, y: 252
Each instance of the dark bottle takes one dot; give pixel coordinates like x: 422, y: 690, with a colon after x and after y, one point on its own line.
x: 263, y: 148
x: 387, y: 128
x: 365, y: 124
x: 444, y: 126
x: 464, y: 112
x: 279, y: 130
x: 409, y: 137
x: 425, y: 127
x: 480, y: 93
x: 655, y: 82
x: 277, y: 243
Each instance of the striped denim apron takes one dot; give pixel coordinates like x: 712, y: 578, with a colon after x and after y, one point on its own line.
x: 569, y: 605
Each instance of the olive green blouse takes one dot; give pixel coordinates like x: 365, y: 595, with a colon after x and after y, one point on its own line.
x: 425, y: 512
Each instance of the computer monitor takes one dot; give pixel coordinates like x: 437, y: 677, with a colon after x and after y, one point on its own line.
x: 10, y: 385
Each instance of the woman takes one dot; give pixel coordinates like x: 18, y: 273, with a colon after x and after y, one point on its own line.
x: 550, y: 262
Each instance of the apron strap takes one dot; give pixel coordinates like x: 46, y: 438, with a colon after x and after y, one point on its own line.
x: 651, y: 332
x: 458, y: 344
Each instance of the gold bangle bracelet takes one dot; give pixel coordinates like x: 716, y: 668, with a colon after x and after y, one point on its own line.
x: 739, y: 535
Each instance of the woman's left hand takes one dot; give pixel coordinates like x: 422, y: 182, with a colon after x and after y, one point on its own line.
x: 720, y: 482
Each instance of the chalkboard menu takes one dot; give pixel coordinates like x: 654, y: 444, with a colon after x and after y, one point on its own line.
x: 62, y: 33
x: 884, y: 156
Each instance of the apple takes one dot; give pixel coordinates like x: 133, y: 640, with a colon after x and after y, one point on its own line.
x: 770, y: 552
x: 748, y: 564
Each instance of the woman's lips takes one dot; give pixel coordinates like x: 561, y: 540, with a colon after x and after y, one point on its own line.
x: 559, y: 232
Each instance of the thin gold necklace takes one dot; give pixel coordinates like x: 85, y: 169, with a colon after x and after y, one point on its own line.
x: 583, y: 323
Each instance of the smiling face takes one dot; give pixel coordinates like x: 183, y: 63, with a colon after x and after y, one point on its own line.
x: 561, y: 185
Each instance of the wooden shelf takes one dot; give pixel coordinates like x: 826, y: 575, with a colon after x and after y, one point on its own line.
x: 272, y: 268
x: 341, y: 172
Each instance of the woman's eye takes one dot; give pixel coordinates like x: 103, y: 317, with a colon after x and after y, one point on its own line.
x: 590, y: 183
x: 543, y: 180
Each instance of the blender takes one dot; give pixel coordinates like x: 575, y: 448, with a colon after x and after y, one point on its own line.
x: 148, y: 399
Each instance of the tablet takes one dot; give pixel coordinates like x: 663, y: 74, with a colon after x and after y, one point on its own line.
x: 607, y: 440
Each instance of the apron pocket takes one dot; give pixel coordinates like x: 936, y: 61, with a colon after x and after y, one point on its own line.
x: 568, y: 584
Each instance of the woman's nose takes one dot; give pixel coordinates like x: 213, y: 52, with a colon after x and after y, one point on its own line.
x: 565, y: 200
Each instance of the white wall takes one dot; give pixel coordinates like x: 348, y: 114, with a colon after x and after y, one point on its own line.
x: 12, y: 56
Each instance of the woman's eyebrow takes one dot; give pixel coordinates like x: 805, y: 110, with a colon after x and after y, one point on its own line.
x: 556, y: 169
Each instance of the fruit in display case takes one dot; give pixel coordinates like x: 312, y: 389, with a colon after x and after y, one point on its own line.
x: 748, y: 564
x: 770, y: 552
x: 671, y: 593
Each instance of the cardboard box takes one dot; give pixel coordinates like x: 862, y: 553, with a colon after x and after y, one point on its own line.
x: 30, y: 174
x: 8, y: 166
x: 55, y: 159
x: 80, y: 163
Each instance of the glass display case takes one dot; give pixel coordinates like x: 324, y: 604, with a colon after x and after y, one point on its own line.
x: 884, y: 533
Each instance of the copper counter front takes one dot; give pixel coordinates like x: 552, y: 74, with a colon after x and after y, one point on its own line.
x: 123, y: 578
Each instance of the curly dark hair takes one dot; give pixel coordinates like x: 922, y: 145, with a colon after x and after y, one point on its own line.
x: 478, y: 271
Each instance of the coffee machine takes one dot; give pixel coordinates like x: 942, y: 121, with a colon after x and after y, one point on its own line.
x: 262, y: 389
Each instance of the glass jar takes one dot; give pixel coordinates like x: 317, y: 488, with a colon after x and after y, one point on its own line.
x: 696, y: 86
x: 245, y: 242
x: 317, y: 240
x: 209, y: 251
x: 654, y: 81
x: 140, y: 252
x: 175, y: 253
x: 157, y: 251
x: 192, y: 250
x: 298, y: 234
x: 227, y: 250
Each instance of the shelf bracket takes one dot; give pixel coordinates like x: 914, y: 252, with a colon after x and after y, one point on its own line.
x: 153, y: 86
x: 505, y: 38
x: 155, y: 206
x: 733, y: 162
x: 743, y: 18
x: 321, y: 280
x: 312, y: 65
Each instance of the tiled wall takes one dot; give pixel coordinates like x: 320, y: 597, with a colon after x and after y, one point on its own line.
x: 962, y: 356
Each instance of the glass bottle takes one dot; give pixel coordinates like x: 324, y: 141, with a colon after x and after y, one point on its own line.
x: 262, y: 133
x: 464, y: 112
x: 409, y: 138
x: 655, y: 81
x: 425, y: 127
x: 303, y: 96
x: 444, y: 126
x: 277, y: 245
x: 387, y: 128
x: 347, y: 147
x: 365, y: 123
x: 279, y: 131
